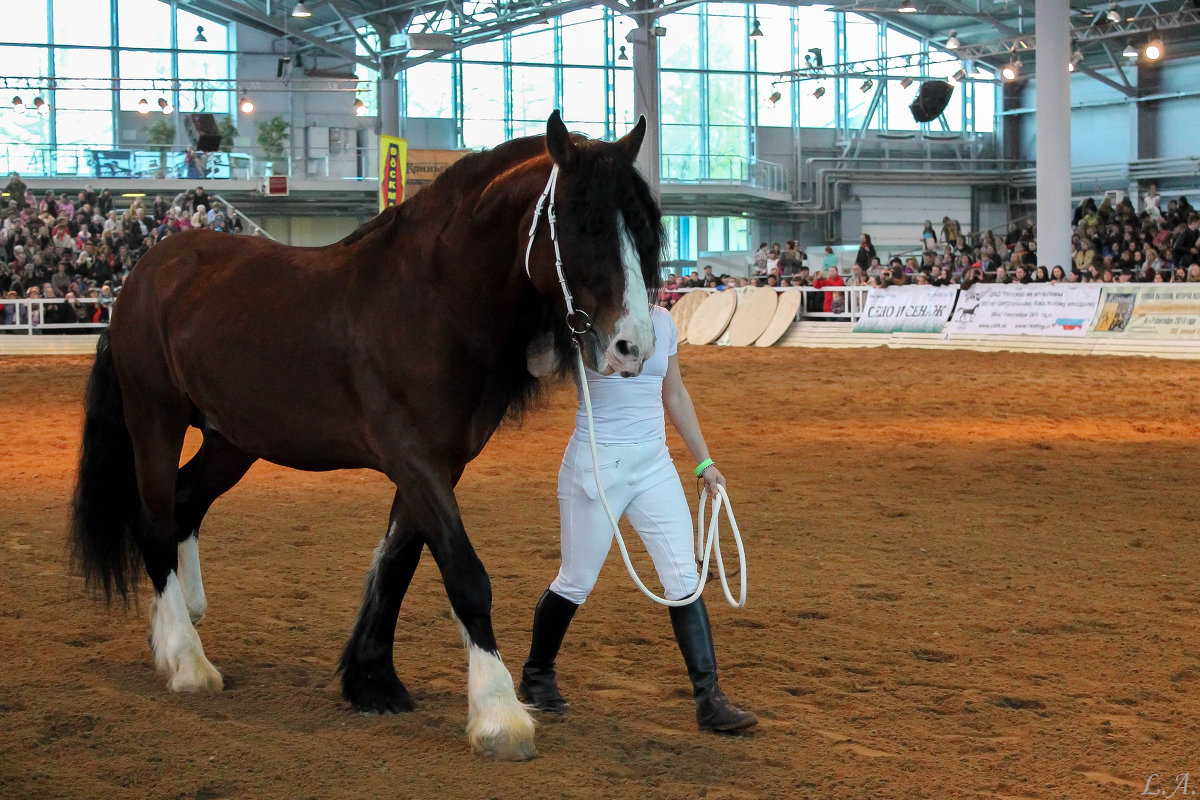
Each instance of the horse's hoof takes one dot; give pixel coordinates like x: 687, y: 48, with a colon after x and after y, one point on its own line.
x: 505, y: 748
x: 375, y: 693
x: 196, y: 676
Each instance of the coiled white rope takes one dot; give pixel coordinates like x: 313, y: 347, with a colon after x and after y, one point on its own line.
x: 708, y: 544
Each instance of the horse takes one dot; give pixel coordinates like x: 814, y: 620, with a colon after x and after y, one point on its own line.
x: 400, y: 348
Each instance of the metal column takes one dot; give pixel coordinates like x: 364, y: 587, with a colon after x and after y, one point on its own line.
x: 1053, y: 98
x: 645, y: 96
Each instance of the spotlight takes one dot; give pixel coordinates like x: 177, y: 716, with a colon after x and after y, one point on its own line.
x: 18, y: 105
x: 959, y: 76
x: 1130, y: 51
x: 360, y: 108
x: 1113, y: 15
x: 621, y: 56
x: 817, y: 60
x: 1011, y: 70
x: 953, y: 43
x: 1154, y: 50
x: 906, y: 82
x: 41, y: 106
x: 166, y: 107
x: 775, y: 97
x: 199, y: 37
x: 301, y: 10
x: 756, y: 33
x: 143, y: 106
x: 866, y: 86
x: 1076, y: 60
x: 907, y: 7
x: 246, y: 105
x: 819, y: 92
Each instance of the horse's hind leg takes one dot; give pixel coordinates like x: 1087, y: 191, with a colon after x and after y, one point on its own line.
x: 214, y: 470
x: 369, y: 678
x: 157, y: 436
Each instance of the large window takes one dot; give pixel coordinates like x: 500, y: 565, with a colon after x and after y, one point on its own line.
x: 89, y: 61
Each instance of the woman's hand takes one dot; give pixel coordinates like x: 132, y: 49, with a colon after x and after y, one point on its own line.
x: 712, y: 478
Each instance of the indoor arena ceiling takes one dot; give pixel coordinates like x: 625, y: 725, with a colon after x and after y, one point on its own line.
x: 986, y: 30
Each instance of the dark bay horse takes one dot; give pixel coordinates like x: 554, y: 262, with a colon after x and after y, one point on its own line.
x: 400, y: 348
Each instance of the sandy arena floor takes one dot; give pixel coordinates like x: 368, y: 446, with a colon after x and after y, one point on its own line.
x: 971, y: 575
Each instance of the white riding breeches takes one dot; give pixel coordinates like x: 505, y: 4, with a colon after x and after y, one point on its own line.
x: 640, y: 482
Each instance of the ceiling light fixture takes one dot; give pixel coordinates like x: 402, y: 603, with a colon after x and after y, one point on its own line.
x: 360, y: 108
x: 866, y: 86
x: 907, y: 7
x: 814, y: 58
x: 18, y: 105
x: 301, y: 10
x: 819, y: 92
x: 622, y: 56
x: 41, y: 106
x: 958, y: 76
x: 1011, y: 70
x: 246, y: 105
x: 906, y: 82
x: 775, y: 97
x: 1154, y: 50
x: 143, y: 106
x: 1130, y: 51
x: 756, y: 32
x: 1112, y: 15
x: 1076, y: 60
x: 166, y: 107
x: 199, y: 37
x: 953, y: 43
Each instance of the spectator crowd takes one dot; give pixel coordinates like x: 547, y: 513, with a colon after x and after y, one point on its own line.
x: 83, y: 248
x: 1111, y: 242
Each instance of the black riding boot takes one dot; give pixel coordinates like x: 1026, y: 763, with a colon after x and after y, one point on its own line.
x: 550, y: 620
x: 714, y: 712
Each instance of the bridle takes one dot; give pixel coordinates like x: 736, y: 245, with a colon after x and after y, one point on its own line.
x: 578, y: 320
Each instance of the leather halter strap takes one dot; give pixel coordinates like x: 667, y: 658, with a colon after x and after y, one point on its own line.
x: 573, y: 314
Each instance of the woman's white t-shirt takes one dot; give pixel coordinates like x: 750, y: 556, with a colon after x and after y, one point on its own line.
x: 630, y: 410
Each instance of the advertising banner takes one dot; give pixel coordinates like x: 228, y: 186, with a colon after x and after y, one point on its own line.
x: 393, y: 159
x: 912, y: 309
x: 1150, y: 311
x: 425, y: 165
x: 1040, y: 309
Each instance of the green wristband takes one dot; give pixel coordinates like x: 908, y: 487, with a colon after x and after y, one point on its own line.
x: 703, y: 465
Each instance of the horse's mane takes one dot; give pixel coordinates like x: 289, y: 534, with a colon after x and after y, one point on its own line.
x: 468, y: 175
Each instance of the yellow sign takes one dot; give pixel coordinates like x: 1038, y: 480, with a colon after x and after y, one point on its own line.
x: 393, y: 161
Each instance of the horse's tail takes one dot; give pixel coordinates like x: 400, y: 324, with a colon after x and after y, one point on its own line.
x: 106, y: 506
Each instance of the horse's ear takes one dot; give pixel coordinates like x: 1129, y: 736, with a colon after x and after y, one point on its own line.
x: 631, y: 142
x: 558, y: 141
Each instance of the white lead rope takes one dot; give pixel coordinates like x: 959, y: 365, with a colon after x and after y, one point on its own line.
x: 709, y: 544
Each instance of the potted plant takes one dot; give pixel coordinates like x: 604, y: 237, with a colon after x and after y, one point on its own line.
x: 228, y: 131
x: 272, y: 138
x: 160, y: 134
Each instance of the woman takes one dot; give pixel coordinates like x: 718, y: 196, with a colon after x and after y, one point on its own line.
x: 1040, y: 275
x: 834, y: 302
x: 866, y: 251
x: 640, y: 481
x: 1057, y: 275
x: 928, y: 237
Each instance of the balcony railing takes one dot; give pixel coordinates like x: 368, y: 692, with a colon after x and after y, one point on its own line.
x: 724, y: 169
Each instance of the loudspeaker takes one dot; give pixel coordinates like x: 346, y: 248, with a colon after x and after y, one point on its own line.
x: 932, y: 99
x: 204, y: 132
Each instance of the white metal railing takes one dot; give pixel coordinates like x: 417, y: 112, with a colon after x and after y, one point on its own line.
x: 723, y: 169
x: 28, y: 316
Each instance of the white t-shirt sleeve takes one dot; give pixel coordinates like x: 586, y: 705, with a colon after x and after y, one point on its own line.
x: 673, y: 336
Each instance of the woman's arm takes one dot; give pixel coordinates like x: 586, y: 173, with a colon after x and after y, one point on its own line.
x: 678, y: 405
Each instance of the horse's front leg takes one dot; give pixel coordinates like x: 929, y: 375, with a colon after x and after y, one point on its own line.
x: 498, y: 725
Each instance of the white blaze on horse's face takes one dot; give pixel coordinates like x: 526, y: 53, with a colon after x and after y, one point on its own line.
x: 632, y: 341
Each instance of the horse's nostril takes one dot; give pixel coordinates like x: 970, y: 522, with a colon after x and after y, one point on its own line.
x: 628, y: 348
